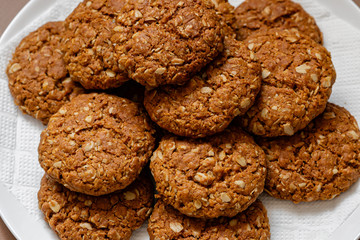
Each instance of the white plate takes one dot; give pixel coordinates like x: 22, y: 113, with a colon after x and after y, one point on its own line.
x: 16, y: 217
x: 27, y: 14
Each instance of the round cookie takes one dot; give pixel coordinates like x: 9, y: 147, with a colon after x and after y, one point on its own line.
x: 78, y: 216
x: 153, y: 42
x: 208, y: 103
x: 96, y: 144
x: 253, y: 16
x: 206, y: 178
x: 89, y: 47
x: 167, y: 223
x: 317, y: 163
x: 297, y: 79
x: 176, y: 46
x: 38, y: 79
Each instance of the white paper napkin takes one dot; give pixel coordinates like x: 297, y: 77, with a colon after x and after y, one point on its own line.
x: 20, y: 134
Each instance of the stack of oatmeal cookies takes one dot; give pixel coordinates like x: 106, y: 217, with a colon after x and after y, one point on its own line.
x: 219, y: 104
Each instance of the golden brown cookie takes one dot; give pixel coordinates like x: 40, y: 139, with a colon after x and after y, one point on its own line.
x: 208, y: 103
x: 88, y: 47
x: 225, y: 10
x: 78, y: 216
x: 153, y: 42
x: 215, y: 176
x: 96, y: 144
x: 167, y: 223
x: 38, y: 79
x: 317, y: 163
x: 170, y: 50
x: 298, y: 75
x: 253, y: 16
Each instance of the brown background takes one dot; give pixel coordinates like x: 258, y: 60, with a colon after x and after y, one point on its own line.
x: 8, y: 10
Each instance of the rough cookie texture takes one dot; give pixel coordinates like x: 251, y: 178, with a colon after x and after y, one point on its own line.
x: 225, y: 10
x: 317, y: 163
x: 167, y: 223
x: 209, y: 101
x: 153, y: 42
x: 297, y: 79
x: 185, y: 36
x: 210, y: 177
x: 96, y: 144
x: 78, y: 216
x: 253, y: 16
x: 89, y: 46
x: 38, y: 79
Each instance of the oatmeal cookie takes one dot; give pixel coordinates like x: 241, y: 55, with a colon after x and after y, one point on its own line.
x: 225, y: 10
x: 77, y: 216
x: 298, y: 75
x: 38, y: 79
x: 209, y: 101
x: 96, y: 144
x: 88, y: 47
x: 153, y: 42
x: 167, y: 223
x: 253, y: 16
x: 210, y: 177
x: 317, y: 163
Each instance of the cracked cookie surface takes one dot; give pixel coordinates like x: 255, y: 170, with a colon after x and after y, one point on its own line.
x: 38, y: 79
x: 167, y: 223
x: 208, y: 103
x: 153, y: 42
x: 225, y: 10
x: 215, y: 176
x: 78, y: 216
x: 298, y: 75
x: 317, y: 163
x: 96, y: 144
x: 253, y: 16
x: 89, y: 48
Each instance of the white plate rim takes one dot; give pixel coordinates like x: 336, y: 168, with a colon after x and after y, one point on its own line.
x: 34, y: 8
x: 25, y: 16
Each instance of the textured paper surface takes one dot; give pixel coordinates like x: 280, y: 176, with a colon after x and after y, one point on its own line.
x: 20, y: 134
